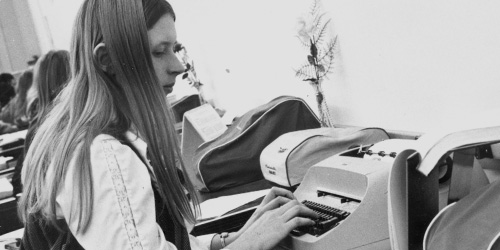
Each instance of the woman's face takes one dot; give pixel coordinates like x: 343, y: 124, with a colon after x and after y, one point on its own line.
x: 162, y: 38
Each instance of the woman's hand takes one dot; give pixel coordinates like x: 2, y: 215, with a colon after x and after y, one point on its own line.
x: 274, y: 225
x: 281, y: 194
x: 278, y: 214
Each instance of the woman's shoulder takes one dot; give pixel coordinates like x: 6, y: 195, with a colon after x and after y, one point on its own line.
x: 108, y: 138
x: 102, y: 141
x: 107, y: 153
x: 104, y: 138
x: 105, y: 146
x: 109, y: 159
x: 128, y: 141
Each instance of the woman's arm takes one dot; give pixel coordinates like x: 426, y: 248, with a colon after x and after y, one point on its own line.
x: 123, y: 210
x: 277, y: 215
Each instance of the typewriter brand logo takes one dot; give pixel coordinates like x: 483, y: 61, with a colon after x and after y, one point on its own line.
x: 272, y: 168
x: 282, y: 150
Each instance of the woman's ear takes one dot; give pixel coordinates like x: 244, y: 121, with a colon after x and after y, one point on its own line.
x: 103, y: 59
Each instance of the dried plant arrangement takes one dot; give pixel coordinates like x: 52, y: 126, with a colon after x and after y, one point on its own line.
x: 312, y: 34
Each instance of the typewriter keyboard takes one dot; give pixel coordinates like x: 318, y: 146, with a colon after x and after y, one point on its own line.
x: 329, y: 218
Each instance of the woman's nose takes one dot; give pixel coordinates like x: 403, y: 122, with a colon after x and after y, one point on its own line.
x: 176, y: 67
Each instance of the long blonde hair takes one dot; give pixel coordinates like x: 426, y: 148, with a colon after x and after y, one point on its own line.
x: 94, y: 103
x: 23, y: 85
x: 51, y: 73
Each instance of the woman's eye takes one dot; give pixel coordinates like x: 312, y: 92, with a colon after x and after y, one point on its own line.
x: 158, y: 53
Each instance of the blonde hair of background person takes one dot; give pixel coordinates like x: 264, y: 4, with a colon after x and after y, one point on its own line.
x: 120, y: 64
x: 51, y: 73
x: 15, y: 110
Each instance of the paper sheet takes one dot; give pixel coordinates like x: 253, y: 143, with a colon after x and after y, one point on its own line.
x: 218, y: 206
x: 206, y: 121
x: 432, y: 146
x: 435, y: 147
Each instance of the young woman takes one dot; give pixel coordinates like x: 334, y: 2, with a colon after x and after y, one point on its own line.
x: 51, y: 73
x: 101, y: 170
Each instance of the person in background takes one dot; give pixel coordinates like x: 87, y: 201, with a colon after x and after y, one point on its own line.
x: 6, y: 128
x: 101, y: 170
x: 50, y: 74
x: 15, y: 111
x: 7, y: 91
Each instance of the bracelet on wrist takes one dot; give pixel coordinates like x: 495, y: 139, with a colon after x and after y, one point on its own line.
x: 212, y: 241
x: 223, y: 237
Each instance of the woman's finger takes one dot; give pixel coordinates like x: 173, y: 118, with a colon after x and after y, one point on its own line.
x: 276, y: 192
x: 283, y: 192
x: 275, y: 203
x: 298, y: 222
x: 289, y: 205
x: 299, y: 210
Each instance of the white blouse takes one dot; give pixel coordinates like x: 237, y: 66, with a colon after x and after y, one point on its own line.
x: 123, y: 211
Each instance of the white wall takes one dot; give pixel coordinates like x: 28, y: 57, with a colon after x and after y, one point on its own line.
x: 245, y: 50
x: 54, y: 22
x: 401, y: 64
x: 18, y: 40
x: 422, y: 64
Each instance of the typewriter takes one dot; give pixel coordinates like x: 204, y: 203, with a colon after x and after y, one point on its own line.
x: 350, y: 195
